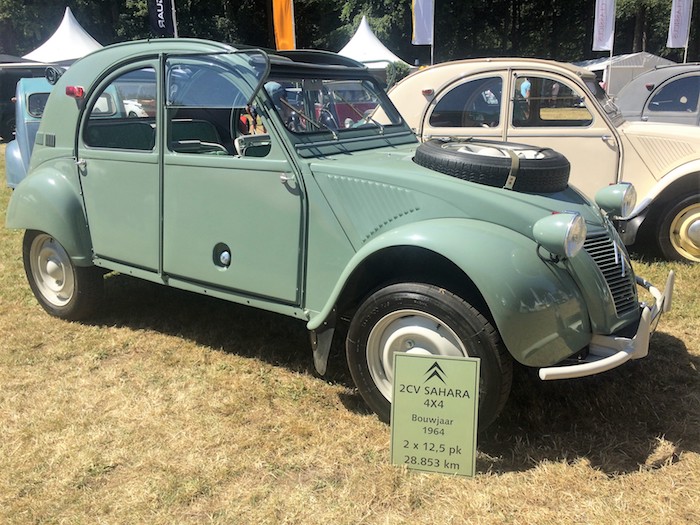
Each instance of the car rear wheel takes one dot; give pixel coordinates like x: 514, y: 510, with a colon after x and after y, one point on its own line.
x: 422, y: 319
x: 679, y: 230
x: 534, y: 170
x: 62, y: 289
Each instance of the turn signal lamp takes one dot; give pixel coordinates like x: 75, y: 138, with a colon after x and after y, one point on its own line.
x: 561, y: 234
x: 75, y: 91
x: 617, y: 200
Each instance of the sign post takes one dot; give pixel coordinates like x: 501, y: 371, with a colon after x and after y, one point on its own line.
x: 434, y: 413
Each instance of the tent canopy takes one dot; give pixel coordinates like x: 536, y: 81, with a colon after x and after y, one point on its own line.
x: 68, y: 43
x: 619, y: 70
x: 365, y: 47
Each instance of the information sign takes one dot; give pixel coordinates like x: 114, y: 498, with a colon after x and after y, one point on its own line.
x: 434, y: 413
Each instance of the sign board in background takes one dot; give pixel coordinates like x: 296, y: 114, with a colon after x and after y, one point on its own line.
x: 434, y: 413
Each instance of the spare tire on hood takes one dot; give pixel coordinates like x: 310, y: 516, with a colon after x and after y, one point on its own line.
x: 519, y: 167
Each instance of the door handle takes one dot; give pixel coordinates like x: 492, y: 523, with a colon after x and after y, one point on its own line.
x: 286, y: 178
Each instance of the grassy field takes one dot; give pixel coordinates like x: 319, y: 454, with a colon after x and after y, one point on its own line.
x: 173, y: 408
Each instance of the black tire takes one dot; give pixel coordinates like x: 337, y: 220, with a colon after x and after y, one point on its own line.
x: 454, y: 327
x: 541, y: 170
x: 64, y: 290
x: 678, y: 231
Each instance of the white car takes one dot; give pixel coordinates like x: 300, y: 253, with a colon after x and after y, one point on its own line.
x: 134, y: 108
x: 567, y: 111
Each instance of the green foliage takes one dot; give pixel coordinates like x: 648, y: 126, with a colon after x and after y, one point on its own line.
x: 395, y: 72
x: 560, y: 30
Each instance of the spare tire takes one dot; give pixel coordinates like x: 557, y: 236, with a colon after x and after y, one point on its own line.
x: 519, y: 167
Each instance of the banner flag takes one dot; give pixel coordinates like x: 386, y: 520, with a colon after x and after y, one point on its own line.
x: 679, y: 25
x: 283, y: 17
x: 161, y: 17
x: 604, y: 25
x: 423, y: 22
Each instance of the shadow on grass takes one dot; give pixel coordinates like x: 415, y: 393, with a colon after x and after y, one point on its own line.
x: 614, y: 420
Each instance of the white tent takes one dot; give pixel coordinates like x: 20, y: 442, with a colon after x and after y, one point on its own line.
x: 620, y: 69
x: 68, y: 43
x: 365, y: 47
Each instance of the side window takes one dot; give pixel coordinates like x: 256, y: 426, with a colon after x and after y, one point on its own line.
x: 123, y: 114
x: 679, y: 95
x: 206, y: 107
x: 546, y: 102
x: 476, y: 103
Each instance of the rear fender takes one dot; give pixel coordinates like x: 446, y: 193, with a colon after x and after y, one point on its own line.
x: 47, y: 201
x: 536, y: 306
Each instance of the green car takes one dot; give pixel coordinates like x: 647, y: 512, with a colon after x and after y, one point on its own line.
x: 251, y: 177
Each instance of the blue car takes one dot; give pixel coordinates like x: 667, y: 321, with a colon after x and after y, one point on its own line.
x: 32, y: 94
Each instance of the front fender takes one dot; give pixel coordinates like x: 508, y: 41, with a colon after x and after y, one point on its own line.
x: 689, y: 169
x: 15, y: 169
x: 536, y: 305
x: 47, y: 201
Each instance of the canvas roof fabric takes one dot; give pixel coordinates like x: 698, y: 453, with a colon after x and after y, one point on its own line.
x: 68, y: 43
x: 365, y: 47
x: 620, y: 69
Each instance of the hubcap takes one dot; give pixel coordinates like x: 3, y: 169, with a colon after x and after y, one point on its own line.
x: 685, y: 232
x: 497, y: 151
x: 52, y: 270
x: 412, y: 332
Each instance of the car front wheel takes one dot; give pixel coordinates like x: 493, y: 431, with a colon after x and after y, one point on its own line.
x: 422, y: 319
x: 62, y: 289
x: 679, y: 230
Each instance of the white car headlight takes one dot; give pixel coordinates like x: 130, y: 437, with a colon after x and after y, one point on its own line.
x: 561, y: 234
x: 617, y: 200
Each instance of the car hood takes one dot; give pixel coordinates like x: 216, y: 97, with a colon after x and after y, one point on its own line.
x: 396, y: 188
x: 662, y: 146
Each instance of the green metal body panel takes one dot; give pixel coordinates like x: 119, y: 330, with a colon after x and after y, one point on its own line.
x: 50, y: 202
x: 537, y: 308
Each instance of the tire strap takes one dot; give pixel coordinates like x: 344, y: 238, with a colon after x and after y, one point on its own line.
x: 514, y: 167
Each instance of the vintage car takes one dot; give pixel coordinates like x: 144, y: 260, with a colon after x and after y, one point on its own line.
x: 30, y: 100
x: 10, y: 74
x: 664, y: 94
x: 329, y: 225
x: 566, y: 110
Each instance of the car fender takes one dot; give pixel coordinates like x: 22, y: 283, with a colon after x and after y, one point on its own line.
x: 15, y: 170
x: 48, y: 201
x: 688, y: 169
x: 535, y: 304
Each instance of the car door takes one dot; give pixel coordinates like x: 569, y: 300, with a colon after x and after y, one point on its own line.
x: 561, y: 115
x: 675, y: 100
x: 232, y: 218
x: 119, y: 175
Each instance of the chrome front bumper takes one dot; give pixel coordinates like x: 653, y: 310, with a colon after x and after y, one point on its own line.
x: 607, y: 352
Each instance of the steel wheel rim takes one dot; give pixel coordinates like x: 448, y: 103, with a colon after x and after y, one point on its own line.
x: 52, y: 270
x: 498, y: 151
x: 685, y: 232
x: 412, y: 332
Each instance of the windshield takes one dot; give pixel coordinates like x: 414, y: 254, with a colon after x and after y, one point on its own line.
x: 605, y: 101
x: 310, y: 105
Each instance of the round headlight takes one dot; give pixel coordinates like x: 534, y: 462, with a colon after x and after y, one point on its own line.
x: 617, y: 200
x: 562, y: 234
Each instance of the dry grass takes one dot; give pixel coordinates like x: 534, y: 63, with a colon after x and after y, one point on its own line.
x: 173, y: 408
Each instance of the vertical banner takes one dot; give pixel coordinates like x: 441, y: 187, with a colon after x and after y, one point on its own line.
x: 423, y: 22
x: 604, y: 25
x: 161, y: 17
x: 679, y: 26
x: 283, y: 16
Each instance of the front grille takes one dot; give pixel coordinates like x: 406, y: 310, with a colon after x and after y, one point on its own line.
x: 614, y: 264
